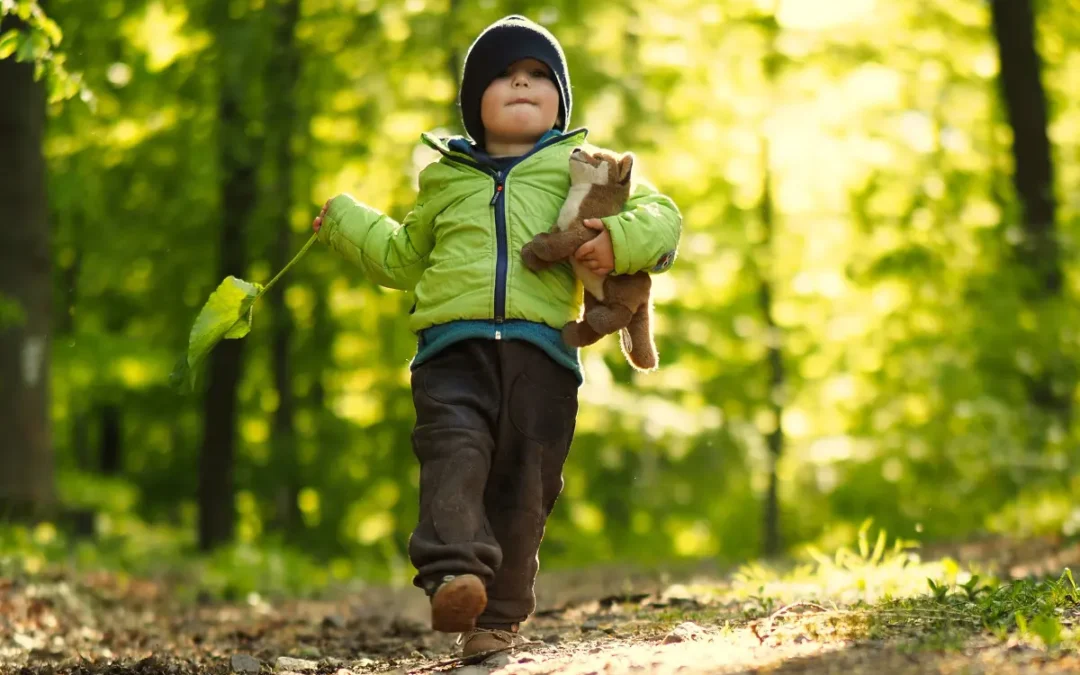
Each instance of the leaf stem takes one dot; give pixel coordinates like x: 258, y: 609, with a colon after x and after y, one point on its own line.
x: 285, y: 269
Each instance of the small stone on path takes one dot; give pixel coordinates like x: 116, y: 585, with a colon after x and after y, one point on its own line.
x: 683, y: 632
x: 334, y: 621
x: 244, y: 663
x: 300, y: 665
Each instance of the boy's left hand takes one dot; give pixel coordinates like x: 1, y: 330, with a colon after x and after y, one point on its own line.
x: 597, y: 254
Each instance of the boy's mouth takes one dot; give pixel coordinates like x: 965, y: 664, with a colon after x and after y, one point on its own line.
x: 520, y: 100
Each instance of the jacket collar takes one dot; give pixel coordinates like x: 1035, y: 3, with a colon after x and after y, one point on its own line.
x: 460, y: 147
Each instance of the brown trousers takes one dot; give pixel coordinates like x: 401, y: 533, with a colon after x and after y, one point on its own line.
x: 494, y: 421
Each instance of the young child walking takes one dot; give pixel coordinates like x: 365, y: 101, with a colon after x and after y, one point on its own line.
x: 494, y: 385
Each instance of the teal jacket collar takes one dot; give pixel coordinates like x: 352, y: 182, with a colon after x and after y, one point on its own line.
x: 463, y: 145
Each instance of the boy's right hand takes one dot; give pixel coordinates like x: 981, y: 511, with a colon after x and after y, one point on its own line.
x: 317, y: 223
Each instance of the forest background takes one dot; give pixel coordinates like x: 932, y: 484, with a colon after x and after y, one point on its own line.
x: 873, y: 313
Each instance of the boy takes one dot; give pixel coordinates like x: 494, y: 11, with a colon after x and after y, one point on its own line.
x: 494, y: 386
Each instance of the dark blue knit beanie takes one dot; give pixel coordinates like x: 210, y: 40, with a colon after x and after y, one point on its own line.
x: 499, y: 46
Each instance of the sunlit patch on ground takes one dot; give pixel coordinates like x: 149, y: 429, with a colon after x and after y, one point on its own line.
x: 875, y: 606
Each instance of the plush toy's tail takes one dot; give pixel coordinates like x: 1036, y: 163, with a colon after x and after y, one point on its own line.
x: 637, y: 340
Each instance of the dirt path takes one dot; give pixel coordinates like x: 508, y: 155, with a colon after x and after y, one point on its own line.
x: 589, y: 623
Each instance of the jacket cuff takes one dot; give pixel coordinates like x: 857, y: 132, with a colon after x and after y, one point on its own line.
x: 619, y: 246
x: 332, y: 218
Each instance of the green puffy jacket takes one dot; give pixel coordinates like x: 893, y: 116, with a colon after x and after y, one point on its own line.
x: 459, y: 247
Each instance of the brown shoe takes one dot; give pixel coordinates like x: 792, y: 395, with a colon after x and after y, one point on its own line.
x: 480, y: 640
x: 457, y: 602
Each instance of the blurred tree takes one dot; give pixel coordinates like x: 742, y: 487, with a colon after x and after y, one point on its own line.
x: 1024, y: 97
x: 241, y: 140
x: 1035, y: 246
x: 763, y: 263
x: 282, y: 111
x: 26, y: 453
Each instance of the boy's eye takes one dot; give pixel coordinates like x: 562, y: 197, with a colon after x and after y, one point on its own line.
x: 539, y: 73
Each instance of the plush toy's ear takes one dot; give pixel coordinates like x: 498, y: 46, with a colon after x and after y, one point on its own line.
x: 625, y: 164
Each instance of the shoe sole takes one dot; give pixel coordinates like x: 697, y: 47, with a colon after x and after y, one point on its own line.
x: 457, y: 604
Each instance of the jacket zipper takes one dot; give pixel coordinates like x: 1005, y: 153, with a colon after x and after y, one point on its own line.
x: 498, y: 202
x: 502, y: 258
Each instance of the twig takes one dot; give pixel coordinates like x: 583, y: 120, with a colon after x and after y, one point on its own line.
x: 781, y: 612
x: 470, y: 660
x: 459, y: 661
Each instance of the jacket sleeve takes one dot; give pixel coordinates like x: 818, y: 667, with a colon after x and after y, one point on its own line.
x: 645, y: 236
x: 391, y: 254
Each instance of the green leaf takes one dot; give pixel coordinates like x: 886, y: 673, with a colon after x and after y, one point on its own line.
x: 51, y: 30
x: 227, y: 315
x: 939, y: 590
x: 879, y: 548
x: 864, y: 543
x: 1048, y: 628
x: 1068, y: 575
x: 1021, y: 623
x: 24, y: 52
x: 9, y: 42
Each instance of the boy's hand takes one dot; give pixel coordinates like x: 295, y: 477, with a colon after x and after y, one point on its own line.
x: 317, y: 223
x: 597, y: 254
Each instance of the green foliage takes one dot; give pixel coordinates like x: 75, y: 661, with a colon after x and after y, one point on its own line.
x: 11, y: 312
x: 1030, y: 607
x: 38, y: 44
x: 863, y: 595
x: 909, y: 348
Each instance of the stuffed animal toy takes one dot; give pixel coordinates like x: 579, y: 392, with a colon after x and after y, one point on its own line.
x: 599, y: 187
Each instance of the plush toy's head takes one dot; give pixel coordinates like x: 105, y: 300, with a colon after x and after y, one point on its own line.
x: 600, y: 168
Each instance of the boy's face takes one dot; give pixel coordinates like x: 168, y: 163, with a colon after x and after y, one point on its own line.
x: 521, y: 105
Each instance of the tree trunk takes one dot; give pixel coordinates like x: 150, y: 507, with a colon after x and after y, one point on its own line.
x: 772, y: 544
x: 26, y: 454
x: 110, y: 456
x: 777, y: 379
x: 1022, y: 92
x: 284, y: 74
x: 1038, y: 249
x: 217, y: 516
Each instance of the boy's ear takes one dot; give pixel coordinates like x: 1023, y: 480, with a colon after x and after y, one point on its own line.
x: 625, y: 165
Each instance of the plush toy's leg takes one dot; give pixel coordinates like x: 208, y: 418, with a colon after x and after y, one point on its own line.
x: 580, y: 333
x: 606, y: 320
x: 642, y: 354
